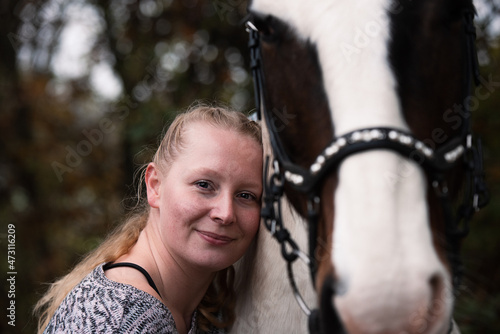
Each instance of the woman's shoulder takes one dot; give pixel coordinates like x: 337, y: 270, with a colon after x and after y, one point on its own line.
x: 102, y: 305
x: 97, y: 287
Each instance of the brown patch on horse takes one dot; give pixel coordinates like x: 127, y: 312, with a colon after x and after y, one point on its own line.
x: 324, y: 242
x: 427, y: 56
x: 295, y: 97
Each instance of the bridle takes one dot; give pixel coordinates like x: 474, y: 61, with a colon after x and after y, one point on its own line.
x: 460, y: 150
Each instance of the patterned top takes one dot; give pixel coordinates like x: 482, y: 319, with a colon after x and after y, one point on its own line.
x: 100, y: 305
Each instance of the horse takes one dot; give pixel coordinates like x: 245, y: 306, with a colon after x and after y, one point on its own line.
x: 369, y: 153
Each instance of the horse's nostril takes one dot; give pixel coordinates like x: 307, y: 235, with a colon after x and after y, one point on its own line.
x: 434, y: 312
x: 436, y: 283
x: 439, y: 296
x: 341, y: 287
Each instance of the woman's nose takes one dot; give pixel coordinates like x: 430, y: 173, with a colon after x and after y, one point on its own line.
x: 223, y: 209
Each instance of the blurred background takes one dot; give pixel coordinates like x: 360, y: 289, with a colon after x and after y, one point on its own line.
x: 86, y: 88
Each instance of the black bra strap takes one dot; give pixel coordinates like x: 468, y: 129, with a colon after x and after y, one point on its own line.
x: 135, y: 266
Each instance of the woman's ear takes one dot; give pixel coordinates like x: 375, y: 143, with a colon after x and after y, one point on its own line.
x: 153, y: 182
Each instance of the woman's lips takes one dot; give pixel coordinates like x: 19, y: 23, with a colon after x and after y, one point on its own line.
x: 214, y: 238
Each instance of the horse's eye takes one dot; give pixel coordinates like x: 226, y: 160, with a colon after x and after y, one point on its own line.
x: 268, y: 27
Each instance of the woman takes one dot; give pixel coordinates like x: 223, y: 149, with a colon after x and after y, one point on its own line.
x: 168, y: 268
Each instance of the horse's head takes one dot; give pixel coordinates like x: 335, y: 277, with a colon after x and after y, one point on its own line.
x: 395, y: 71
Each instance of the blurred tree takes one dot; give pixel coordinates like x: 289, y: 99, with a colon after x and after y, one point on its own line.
x: 86, y: 85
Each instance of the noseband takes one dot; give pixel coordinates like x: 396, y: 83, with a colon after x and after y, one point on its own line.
x: 461, y: 150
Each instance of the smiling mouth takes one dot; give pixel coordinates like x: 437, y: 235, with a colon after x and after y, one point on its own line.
x: 215, y: 239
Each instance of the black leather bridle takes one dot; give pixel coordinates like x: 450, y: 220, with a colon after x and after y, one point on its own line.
x: 461, y: 150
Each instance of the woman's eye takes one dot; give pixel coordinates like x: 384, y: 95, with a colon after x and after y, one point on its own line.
x: 204, y: 185
x: 248, y: 196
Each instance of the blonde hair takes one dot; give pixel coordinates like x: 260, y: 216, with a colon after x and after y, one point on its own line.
x: 216, y: 307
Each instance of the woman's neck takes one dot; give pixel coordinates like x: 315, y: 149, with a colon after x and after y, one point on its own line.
x: 181, y: 287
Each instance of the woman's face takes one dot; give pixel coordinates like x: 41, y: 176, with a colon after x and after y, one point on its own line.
x: 207, y: 205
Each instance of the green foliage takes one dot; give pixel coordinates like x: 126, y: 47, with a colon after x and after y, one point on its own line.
x: 74, y: 143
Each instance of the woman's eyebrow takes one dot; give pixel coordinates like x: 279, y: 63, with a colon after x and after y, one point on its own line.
x: 247, y: 183
x: 206, y: 171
